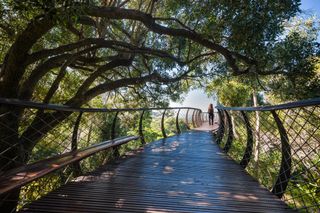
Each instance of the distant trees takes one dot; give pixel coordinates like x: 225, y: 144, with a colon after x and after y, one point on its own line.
x: 296, y: 52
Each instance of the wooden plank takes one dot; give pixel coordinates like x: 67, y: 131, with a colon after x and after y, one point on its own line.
x: 183, y: 173
x: 206, y: 127
x: 25, y: 174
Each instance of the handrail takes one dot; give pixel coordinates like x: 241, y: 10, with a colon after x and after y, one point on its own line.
x: 291, y: 105
x: 26, y: 126
x: 20, y: 176
x: 36, y: 105
x: 279, y: 146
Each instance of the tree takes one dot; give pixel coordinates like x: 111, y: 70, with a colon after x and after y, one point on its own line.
x: 71, y: 52
x: 298, y: 52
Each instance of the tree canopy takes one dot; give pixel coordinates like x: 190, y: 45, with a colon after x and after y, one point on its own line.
x: 73, y: 51
x: 130, y: 53
x: 134, y: 52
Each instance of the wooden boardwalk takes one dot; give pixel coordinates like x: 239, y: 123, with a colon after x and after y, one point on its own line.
x: 183, y: 173
x: 206, y: 127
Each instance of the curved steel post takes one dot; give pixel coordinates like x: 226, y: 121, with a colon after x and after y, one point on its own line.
x: 74, y: 140
x: 74, y: 144
x: 113, y: 128
x: 177, y: 122
x: 220, y: 132
x: 227, y: 147
x: 193, y: 121
x: 213, y: 117
x: 162, y: 124
x: 115, y: 150
x: 248, y: 152
x: 196, y: 118
x: 141, y: 128
x: 285, y: 169
x: 199, y: 118
x: 187, y: 122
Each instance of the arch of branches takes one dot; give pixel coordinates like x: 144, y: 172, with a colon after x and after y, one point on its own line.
x: 71, y: 52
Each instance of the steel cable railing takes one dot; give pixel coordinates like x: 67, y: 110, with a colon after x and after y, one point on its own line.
x: 33, y: 132
x: 279, y: 146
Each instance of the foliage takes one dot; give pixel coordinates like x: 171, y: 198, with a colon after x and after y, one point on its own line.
x: 230, y: 92
x: 303, y: 188
x: 130, y: 54
x: 298, y: 53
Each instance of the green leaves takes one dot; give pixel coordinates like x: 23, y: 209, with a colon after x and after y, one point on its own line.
x: 231, y: 93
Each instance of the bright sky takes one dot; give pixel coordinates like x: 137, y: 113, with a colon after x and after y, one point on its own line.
x: 311, y: 7
x: 197, y: 98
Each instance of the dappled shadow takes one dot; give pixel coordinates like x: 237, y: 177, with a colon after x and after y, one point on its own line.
x: 167, y: 147
x: 185, y: 173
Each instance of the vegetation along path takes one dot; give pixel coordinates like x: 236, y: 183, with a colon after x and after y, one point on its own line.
x: 182, y: 173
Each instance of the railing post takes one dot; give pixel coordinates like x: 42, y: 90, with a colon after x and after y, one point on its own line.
x: 230, y: 133
x: 198, y: 118
x: 115, y: 150
x: 141, y: 129
x: 193, y: 121
x: 213, y: 118
x: 187, y: 122
x: 220, y: 132
x: 162, y: 124
x: 248, y: 152
x: 177, y: 122
x: 74, y: 144
x: 285, y: 169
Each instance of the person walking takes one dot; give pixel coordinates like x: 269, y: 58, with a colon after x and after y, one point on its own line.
x: 210, y: 111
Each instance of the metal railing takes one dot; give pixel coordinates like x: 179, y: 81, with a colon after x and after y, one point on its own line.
x: 32, y: 133
x: 279, y: 146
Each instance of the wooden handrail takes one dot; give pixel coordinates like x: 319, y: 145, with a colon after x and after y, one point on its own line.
x: 20, y: 176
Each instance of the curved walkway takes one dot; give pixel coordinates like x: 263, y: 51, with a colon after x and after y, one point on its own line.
x: 183, y: 173
x: 206, y: 127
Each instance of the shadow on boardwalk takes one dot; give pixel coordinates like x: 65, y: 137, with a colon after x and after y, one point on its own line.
x: 183, y: 173
x: 206, y: 127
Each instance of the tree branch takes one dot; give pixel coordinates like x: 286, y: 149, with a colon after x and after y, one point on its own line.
x: 74, y: 30
x: 175, y: 20
x: 149, y: 22
x: 102, y: 43
x: 27, y: 88
x: 87, y: 83
x: 14, y: 64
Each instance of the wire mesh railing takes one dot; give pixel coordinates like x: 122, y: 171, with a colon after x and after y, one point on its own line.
x: 279, y: 146
x: 32, y: 133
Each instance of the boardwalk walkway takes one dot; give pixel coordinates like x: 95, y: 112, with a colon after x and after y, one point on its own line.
x: 183, y: 173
